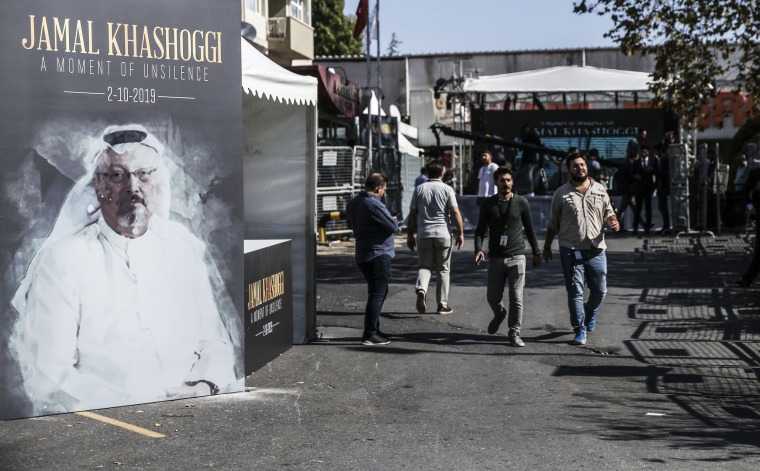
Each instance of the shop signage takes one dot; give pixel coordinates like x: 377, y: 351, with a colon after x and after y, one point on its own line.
x: 337, y: 95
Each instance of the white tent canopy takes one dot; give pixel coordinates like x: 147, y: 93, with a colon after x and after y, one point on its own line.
x: 564, y: 79
x: 265, y: 79
x: 279, y: 169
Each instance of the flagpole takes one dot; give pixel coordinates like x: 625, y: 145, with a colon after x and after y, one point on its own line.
x: 380, y: 90
x: 368, y: 36
x: 377, y: 19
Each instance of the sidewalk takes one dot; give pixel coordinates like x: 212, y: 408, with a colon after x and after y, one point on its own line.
x: 668, y: 381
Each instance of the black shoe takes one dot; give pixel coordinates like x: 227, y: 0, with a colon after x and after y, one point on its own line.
x: 375, y: 339
x: 383, y: 334
x: 421, y: 307
x: 445, y: 310
x: 493, y: 326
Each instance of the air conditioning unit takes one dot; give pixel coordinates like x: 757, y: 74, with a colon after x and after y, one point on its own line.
x: 277, y: 29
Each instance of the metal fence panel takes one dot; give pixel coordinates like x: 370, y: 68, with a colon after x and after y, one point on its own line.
x: 339, y: 177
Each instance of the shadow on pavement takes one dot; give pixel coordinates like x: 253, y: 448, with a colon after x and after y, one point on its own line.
x: 698, y: 339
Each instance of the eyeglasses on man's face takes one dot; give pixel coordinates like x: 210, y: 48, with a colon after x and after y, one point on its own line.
x: 121, y: 176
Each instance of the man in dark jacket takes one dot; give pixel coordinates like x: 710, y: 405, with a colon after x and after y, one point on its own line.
x: 373, y: 228
x: 643, y: 185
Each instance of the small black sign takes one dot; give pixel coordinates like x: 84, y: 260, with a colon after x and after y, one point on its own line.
x: 268, y: 302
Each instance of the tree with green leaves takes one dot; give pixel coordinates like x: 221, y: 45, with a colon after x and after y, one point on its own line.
x: 333, y: 31
x: 393, y: 45
x: 694, y: 43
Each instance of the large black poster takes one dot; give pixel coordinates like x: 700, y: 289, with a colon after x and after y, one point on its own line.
x: 120, y: 202
x: 607, y: 130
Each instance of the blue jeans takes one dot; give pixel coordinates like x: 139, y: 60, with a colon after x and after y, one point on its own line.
x: 377, y: 272
x: 590, y: 269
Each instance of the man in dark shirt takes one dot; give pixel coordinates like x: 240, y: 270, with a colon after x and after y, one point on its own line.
x: 504, y: 216
x: 524, y: 175
x: 373, y: 228
x: 421, y: 178
x: 662, y: 182
x: 644, y: 172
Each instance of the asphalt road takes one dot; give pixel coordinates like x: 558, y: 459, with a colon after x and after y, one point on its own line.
x: 669, y: 380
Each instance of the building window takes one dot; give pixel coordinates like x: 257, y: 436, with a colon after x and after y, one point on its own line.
x: 296, y: 10
x: 253, y: 5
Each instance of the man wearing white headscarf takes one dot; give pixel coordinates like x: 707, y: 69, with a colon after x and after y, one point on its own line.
x: 117, y: 308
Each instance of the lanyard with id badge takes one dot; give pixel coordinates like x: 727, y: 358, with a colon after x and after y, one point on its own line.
x: 504, y: 238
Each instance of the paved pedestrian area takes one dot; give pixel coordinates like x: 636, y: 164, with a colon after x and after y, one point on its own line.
x: 668, y: 381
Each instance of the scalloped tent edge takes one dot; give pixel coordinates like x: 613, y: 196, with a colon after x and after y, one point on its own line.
x: 265, y: 79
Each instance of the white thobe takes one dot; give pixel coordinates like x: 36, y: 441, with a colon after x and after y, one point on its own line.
x: 112, y: 321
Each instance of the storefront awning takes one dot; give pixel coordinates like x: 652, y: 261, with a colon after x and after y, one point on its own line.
x: 338, y: 96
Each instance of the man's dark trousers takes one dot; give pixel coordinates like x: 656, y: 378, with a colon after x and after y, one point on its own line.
x: 377, y: 272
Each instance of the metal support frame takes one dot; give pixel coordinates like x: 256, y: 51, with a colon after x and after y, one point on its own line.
x: 680, y: 157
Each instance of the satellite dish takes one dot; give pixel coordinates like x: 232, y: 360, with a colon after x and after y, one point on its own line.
x: 247, y: 31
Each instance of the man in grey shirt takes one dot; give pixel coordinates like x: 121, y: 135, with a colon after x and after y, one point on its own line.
x: 433, y: 207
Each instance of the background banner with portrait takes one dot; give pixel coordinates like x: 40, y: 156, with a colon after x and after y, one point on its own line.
x: 70, y: 70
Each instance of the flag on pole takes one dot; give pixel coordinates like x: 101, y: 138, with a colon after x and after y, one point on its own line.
x: 362, y: 15
x: 373, y: 21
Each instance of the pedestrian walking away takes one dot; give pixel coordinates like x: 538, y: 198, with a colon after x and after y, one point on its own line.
x: 433, y: 214
x: 503, y: 217
x: 373, y: 228
x: 579, y: 210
